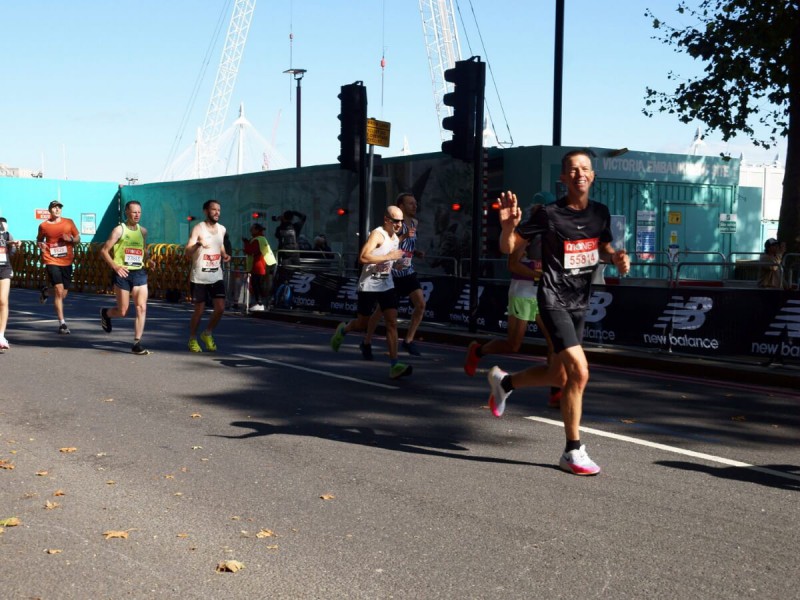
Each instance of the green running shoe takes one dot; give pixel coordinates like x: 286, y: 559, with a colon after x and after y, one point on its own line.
x: 338, y: 337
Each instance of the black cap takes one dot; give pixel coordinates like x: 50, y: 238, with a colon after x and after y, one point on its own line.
x: 55, y: 203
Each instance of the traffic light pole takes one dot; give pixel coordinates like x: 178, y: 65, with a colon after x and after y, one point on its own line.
x: 477, y: 203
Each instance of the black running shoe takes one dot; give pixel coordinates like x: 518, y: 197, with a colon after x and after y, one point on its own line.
x: 105, y: 322
x: 366, y: 351
x: 63, y: 329
x: 138, y: 349
x: 43, y: 295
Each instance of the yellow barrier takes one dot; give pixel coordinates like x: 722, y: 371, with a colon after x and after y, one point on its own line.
x: 90, y: 273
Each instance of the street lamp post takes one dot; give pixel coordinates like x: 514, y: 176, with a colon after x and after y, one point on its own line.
x: 298, y: 76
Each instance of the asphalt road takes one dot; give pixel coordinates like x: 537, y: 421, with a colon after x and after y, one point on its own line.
x: 326, y: 479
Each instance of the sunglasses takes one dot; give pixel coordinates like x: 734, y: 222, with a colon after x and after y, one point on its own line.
x: 395, y: 221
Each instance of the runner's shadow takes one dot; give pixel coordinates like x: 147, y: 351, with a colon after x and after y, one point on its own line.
x: 746, y: 474
x: 366, y: 436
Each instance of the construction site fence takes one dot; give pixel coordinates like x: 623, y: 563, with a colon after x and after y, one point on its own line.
x: 168, y: 276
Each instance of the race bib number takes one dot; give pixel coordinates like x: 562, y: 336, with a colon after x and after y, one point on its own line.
x: 210, y: 263
x: 404, y: 262
x: 133, y: 257
x: 58, y: 251
x: 3, y: 256
x: 581, y: 253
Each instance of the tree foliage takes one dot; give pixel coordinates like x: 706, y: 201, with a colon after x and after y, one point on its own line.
x: 751, y: 51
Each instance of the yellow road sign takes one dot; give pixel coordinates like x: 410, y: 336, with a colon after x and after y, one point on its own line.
x: 378, y: 132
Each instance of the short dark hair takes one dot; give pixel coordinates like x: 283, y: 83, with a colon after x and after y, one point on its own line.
x: 207, y: 203
x: 129, y: 202
x: 399, y: 200
x: 570, y: 154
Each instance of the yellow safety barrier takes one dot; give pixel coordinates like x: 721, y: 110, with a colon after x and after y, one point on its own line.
x: 90, y: 273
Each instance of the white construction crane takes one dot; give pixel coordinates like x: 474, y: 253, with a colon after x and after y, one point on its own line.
x: 443, y: 48
x: 208, y: 135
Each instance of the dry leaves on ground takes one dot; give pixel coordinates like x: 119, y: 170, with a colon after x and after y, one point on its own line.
x: 229, y: 566
x: 68, y: 450
x: 265, y: 533
x: 51, y: 505
x: 53, y: 551
x: 59, y: 493
x: 327, y: 496
x: 6, y: 464
x: 197, y: 416
x: 10, y: 522
x: 110, y: 534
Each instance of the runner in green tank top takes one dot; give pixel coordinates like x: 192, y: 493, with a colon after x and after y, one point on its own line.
x: 125, y: 252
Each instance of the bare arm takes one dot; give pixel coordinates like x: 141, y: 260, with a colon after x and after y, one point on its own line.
x: 619, y: 258
x: 516, y: 266
x: 510, y: 216
x: 195, y: 241
x: 373, y: 242
x: 105, y: 253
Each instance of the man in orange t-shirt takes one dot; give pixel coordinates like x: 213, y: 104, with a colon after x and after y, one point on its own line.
x: 56, y: 239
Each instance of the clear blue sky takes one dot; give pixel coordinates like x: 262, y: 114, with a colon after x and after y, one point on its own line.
x: 98, y: 90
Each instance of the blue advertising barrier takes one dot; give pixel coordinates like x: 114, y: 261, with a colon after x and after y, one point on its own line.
x: 710, y: 322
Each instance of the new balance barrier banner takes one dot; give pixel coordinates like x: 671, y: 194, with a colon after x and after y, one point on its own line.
x: 712, y: 322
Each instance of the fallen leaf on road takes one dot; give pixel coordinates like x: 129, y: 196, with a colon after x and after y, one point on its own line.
x: 51, y: 505
x: 272, y: 547
x: 197, y: 416
x: 628, y: 421
x: 59, y: 493
x: 739, y: 418
x: 183, y: 535
x: 111, y: 482
x: 169, y: 476
x: 230, y: 566
x: 53, y: 551
x: 108, y: 400
x: 10, y: 522
x: 115, y: 534
x: 327, y: 496
x: 42, y: 473
x: 197, y: 447
x: 265, y: 533
x: 6, y: 464
x: 67, y: 450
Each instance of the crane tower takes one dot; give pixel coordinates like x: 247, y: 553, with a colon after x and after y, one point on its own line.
x: 443, y: 48
x: 208, y: 135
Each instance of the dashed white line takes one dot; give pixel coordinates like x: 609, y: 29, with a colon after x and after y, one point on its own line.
x: 673, y: 449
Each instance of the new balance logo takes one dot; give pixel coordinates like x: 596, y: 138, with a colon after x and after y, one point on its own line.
x: 597, y: 306
x: 463, y: 301
x: 349, y: 290
x: 788, y: 321
x: 301, y: 282
x: 685, y: 314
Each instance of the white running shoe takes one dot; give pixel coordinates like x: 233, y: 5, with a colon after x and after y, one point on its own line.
x: 257, y: 308
x: 498, y: 396
x: 578, y: 462
x: 4, y: 343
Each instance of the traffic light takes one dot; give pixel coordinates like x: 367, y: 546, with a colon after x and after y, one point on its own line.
x: 467, y: 78
x: 353, y: 116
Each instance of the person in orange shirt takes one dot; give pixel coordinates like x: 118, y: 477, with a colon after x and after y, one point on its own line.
x: 56, y: 239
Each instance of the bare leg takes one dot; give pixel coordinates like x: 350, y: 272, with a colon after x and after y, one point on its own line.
x: 418, y: 301
x: 5, y: 286
x: 390, y: 317
x: 140, y: 294
x: 372, y: 325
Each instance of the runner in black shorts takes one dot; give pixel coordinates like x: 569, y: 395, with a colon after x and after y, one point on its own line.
x: 405, y: 279
x: 576, y: 235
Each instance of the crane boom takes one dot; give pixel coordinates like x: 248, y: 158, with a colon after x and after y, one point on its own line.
x: 443, y: 48
x: 223, y: 85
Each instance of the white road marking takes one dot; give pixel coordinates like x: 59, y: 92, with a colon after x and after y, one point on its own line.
x: 317, y: 371
x: 673, y: 449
